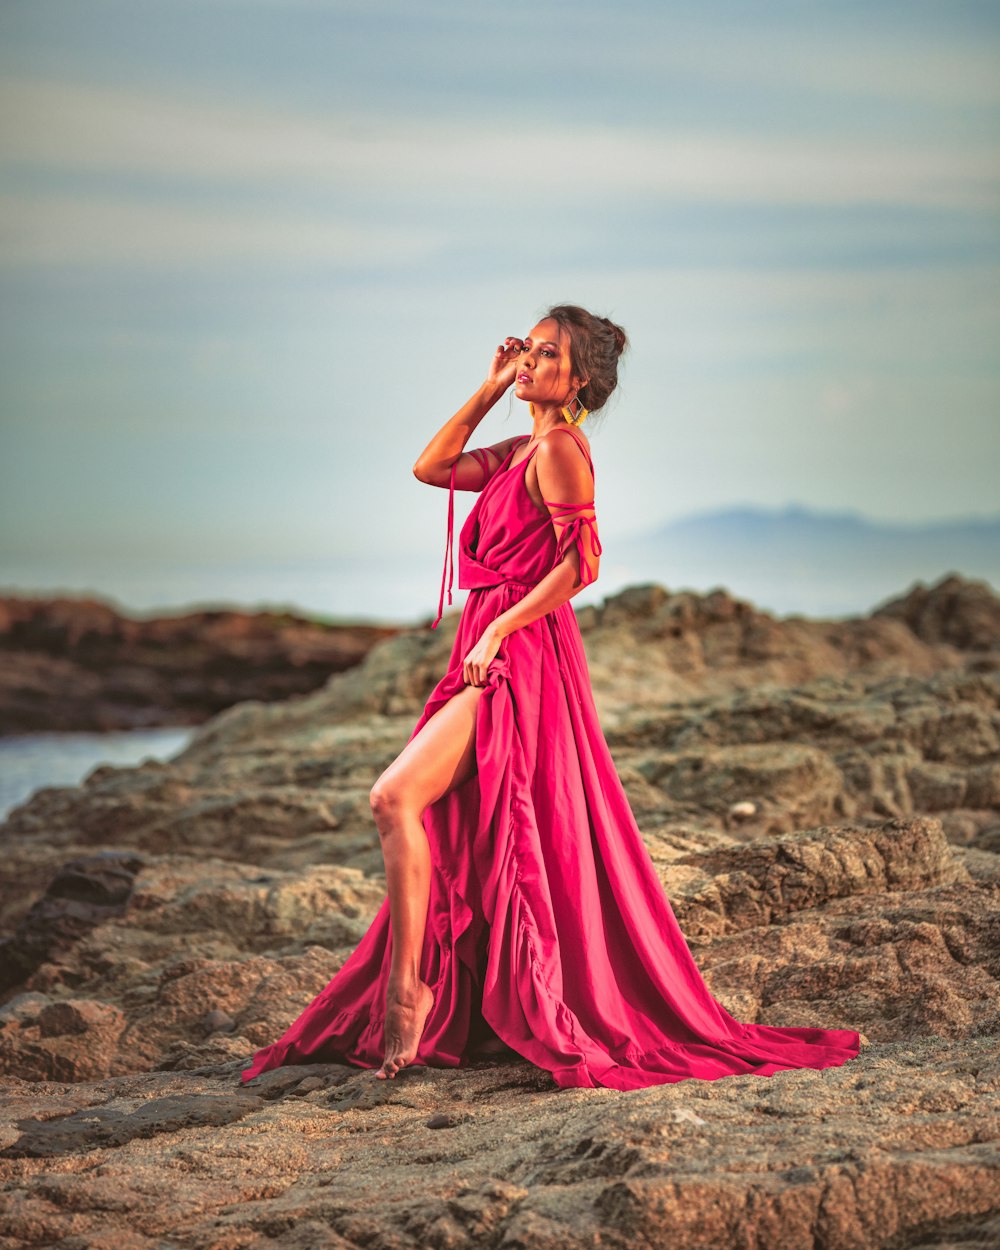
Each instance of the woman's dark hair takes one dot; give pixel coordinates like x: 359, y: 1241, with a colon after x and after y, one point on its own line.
x: 595, y: 344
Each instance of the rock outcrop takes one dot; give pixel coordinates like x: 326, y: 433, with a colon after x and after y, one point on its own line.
x: 78, y: 664
x: 822, y: 803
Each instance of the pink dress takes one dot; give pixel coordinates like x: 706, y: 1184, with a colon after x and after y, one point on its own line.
x: 547, y: 925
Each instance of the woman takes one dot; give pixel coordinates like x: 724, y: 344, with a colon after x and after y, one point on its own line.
x: 523, y: 910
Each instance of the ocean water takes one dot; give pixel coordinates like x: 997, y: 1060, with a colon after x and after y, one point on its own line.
x: 31, y: 761
x: 795, y: 574
x: 814, y: 579
x: 373, y: 589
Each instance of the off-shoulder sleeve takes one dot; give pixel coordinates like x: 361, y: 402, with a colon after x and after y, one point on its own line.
x: 482, y: 455
x: 576, y: 524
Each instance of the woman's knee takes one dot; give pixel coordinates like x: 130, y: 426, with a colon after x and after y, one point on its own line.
x: 439, y: 758
x: 391, y: 800
x: 388, y: 801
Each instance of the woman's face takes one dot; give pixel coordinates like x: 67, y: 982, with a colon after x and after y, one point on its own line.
x: 544, y: 373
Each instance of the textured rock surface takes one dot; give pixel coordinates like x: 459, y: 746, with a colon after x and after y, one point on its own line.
x: 822, y: 802
x: 895, y: 1149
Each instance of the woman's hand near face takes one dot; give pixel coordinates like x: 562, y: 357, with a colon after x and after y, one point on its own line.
x: 503, y: 366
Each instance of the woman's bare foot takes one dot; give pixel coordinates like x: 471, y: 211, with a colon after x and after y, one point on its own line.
x: 405, y: 1014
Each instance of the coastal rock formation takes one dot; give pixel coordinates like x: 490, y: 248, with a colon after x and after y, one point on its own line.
x: 958, y: 611
x: 78, y: 664
x: 822, y: 803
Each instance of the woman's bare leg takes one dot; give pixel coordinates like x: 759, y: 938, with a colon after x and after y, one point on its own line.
x: 439, y: 758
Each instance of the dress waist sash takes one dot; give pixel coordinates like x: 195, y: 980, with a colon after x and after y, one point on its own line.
x: 475, y: 576
x: 471, y: 574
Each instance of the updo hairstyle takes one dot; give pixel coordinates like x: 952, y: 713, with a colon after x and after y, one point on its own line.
x: 595, y: 344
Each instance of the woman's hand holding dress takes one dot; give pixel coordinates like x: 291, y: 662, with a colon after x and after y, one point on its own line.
x: 477, y: 661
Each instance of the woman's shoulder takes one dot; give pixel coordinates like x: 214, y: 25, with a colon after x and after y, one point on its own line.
x: 573, y: 430
x: 575, y: 434
x: 564, y: 462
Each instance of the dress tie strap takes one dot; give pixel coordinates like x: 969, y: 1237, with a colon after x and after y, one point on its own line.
x: 482, y: 456
x: 449, y: 549
x: 572, y: 532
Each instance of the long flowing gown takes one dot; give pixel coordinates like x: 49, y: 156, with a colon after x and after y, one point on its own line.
x: 547, y: 926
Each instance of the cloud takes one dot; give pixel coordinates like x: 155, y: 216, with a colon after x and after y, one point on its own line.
x: 826, y: 59
x: 893, y: 52
x: 57, y: 229
x: 96, y: 130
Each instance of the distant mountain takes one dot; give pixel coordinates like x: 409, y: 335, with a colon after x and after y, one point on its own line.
x: 798, y: 559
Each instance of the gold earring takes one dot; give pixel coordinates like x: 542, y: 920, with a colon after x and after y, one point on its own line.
x: 574, y: 415
x: 531, y: 410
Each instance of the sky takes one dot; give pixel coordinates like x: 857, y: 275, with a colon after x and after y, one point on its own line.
x: 254, y: 253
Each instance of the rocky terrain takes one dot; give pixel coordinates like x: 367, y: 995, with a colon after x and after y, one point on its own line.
x: 822, y: 802
x: 78, y: 664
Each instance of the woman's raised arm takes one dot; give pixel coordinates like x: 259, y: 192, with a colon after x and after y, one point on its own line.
x: 473, y: 469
